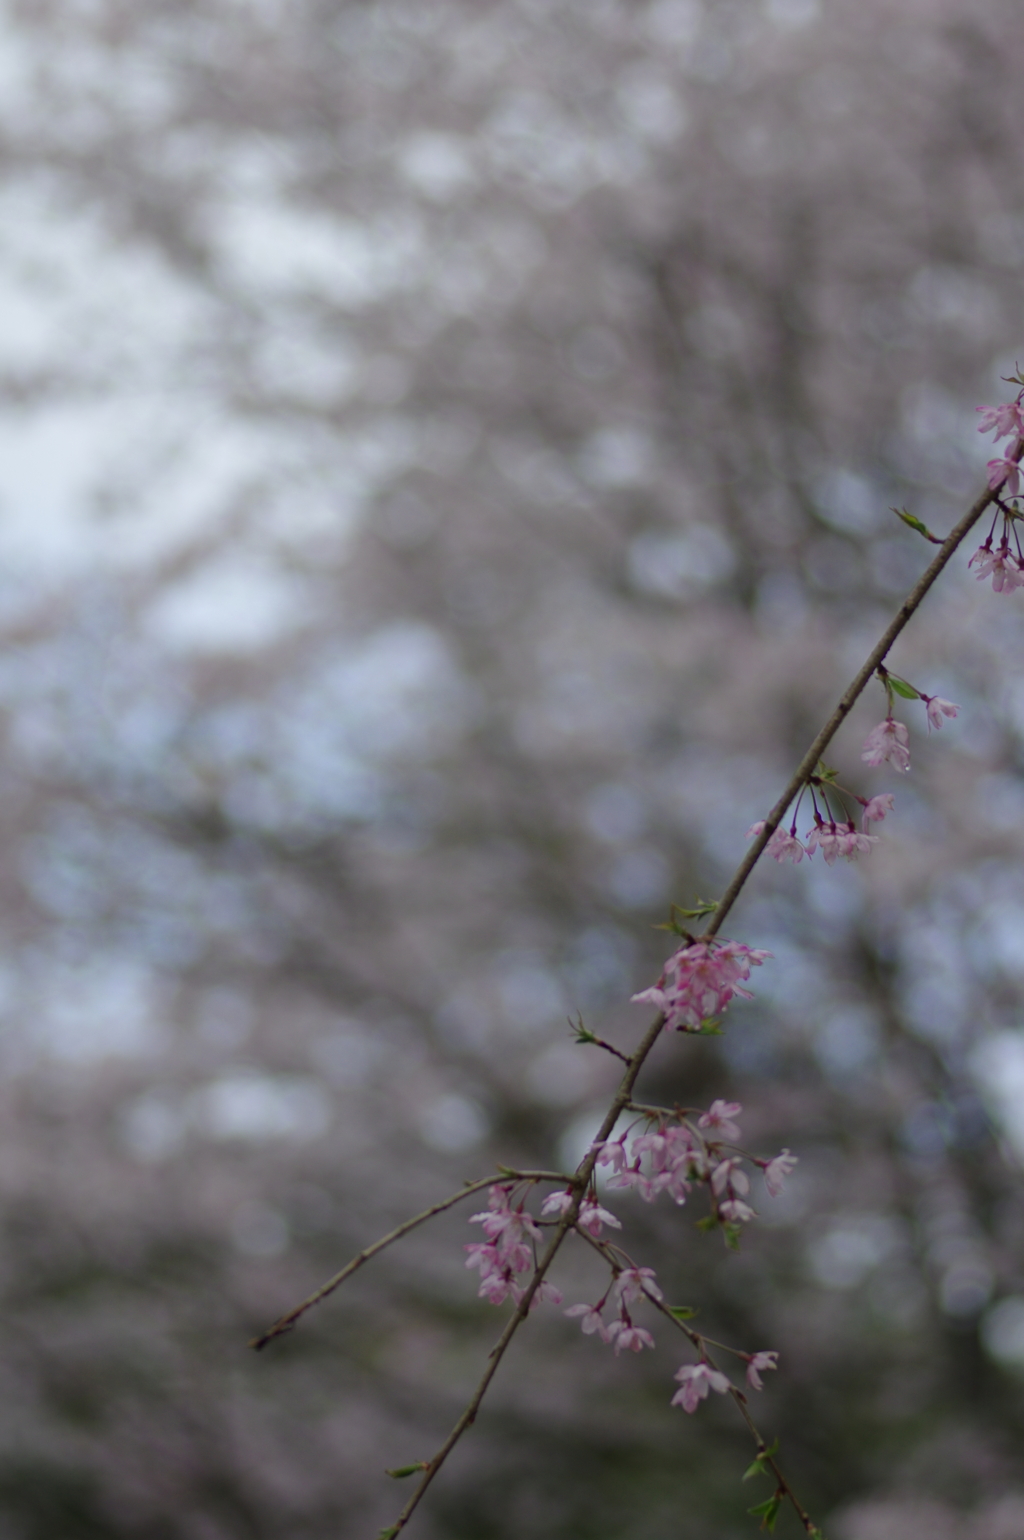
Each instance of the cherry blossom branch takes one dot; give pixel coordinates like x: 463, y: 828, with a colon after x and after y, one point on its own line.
x: 287, y: 1322
x: 765, y: 1456
x: 764, y: 1462
x: 807, y: 766
x: 801, y: 776
x: 698, y: 983
x: 579, y: 1184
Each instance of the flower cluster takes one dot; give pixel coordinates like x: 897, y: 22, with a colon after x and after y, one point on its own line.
x: 831, y: 838
x: 695, y: 1380
x: 1005, y: 421
x: 672, y: 1155
x: 591, y: 1217
x: 629, y: 1285
x: 889, y: 742
x: 1005, y: 566
x: 699, y: 981
x: 507, y: 1251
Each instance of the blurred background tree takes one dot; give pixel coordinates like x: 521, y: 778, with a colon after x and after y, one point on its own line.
x: 444, y: 474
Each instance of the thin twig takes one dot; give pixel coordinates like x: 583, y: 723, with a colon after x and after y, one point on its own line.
x: 287, y: 1322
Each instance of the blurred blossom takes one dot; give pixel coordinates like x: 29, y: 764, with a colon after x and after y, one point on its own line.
x: 1002, y: 1332
x: 453, y: 1123
x: 252, y: 1106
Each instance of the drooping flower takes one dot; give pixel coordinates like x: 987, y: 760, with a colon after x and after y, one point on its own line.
x: 756, y: 1363
x: 591, y: 1320
x: 557, y: 1203
x: 736, y: 1211
x: 544, y: 1294
x: 783, y: 844
x: 730, y: 1176
x: 624, y: 1335
x: 592, y: 1216
x: 937, y: 709
x: 1004, y: 473
x: 496, y: 1287
x: 875, y: 808
x: 850, y: 843
x: 776, y: 1171
x: 695, y: 1382
x: 484, y: 1256
x: 1001, y: 566
x: 611, y: 1152
x: 1003, y: 419
x: 888, y: 741
x: 633, y: 1283
x: 506, y: 1228
x: 719, y: 1116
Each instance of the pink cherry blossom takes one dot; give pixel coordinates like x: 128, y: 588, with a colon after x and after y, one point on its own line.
x: 719, y: 1116
x: 591, y: 1320
x: 612, y: 1152
x: 783, y: 845
x: 633, y: 1283
x: 1001, y: 566
x: 757, y: 1362
x: 938, y: 708
x: 736, y: 1211
x: 695, y: 1382
x: 850, y: 843
x: 1004, y: 473
x: 888, y: 741
x: 730, y: 1176
x: 673, y: 1157
x: 496, y: 1287
x: 876, y: 808
x: 1004, y: 419
x: 776, y: 1171
x: 626, y: 1336
x: 544, y: 1294
x: 502, y: 1224
x: 557, y: 1203
x: 824, y: 837
x: 484, y: 1256
x: 592, y: 1216
x: 700, y: 980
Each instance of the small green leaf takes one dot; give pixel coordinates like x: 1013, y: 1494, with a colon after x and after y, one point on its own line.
x: 402, y: 1471
x: 768, y: 1511
x: 731, y: 1235
x: 682, y: 1312
x: 903, y: 688
x: 708, y: 1223
x: 388, y: 1534
x: 915, y: 523
x: 709, y: 1027
x: 760, y: 1467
